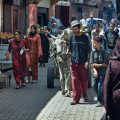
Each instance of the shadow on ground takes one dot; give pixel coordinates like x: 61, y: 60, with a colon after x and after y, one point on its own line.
x: 27, y: 102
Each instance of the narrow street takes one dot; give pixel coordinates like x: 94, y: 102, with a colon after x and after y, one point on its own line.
x: 37, y: 102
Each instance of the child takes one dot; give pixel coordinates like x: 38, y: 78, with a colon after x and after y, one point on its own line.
x: 98, y: 64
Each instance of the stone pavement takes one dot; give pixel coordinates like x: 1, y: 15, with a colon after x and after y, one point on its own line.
x: 37, y: 102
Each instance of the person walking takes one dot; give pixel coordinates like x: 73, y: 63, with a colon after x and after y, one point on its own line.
x: 80, y: 49
x: 45, y: 47
x: 34, y: 53
x: 111, y: 86
x: 91, y: 24
x: 84, y: 21
x: 18, y: 47
x: 54, y: 30
x: 99, y: 65
x: 111, y: 37
x: 96, y: 32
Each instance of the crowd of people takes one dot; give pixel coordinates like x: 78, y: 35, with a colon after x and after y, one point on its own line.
x: 102, y: 53
x: 96, y: 49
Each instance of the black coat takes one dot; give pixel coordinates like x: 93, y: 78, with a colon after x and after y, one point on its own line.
x: 45, y: 48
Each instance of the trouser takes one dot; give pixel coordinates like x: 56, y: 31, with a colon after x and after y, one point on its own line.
x: 111, y: 52
x: 97, y: 86
x: 79, y: 75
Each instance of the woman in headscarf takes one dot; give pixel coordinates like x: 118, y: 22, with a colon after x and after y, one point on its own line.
x: 18, y: 47
x: 111, y: 86
x: 35, y: 51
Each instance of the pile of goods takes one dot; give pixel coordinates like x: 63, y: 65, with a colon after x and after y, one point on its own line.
x: 6, y: 35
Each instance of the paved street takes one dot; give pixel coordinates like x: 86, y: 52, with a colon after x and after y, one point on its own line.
x: 37, y: 102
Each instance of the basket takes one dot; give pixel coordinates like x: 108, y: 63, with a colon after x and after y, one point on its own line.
x: 4, y: 81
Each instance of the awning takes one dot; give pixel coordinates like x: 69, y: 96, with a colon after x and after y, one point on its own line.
x: 52, y: 2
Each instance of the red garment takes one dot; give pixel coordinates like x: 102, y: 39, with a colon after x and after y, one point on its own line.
x: 79, y: 75
x: 35, y: 50
x: 111, y: 85
x: 18, y: 60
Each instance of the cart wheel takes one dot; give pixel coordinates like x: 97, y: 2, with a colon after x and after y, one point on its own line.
x: 50, y: 77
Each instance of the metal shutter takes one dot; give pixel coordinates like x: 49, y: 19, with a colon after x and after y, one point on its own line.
x: 7, y: 18
x: 22, y: 20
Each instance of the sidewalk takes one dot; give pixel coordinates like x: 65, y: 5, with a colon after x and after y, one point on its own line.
x: 59, y: 108
x: 37, y: 102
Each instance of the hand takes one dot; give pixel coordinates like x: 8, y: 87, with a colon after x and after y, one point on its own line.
x: 25, y: 50
x: 94, y: 65
x: 27, y: 36
x: 40, y: 56
x: 86, y: 65
x: 46, y: 34
x: 67, y: 52
x: 96, y: 75
x: 7, y: 56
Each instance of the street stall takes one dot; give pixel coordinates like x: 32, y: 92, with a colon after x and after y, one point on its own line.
x: 5, y: 39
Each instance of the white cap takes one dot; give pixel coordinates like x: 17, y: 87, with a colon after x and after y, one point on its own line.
x: 54, y: 23
x: 74, y: 23
x: 102, y: 33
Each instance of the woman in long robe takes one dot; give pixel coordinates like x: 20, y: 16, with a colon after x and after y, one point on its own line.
x: 35, y: 51
x: 18, y: 48
x: 45, y: 47
x: 111, y: 86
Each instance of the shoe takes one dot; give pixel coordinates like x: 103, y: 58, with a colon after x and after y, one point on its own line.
x: 17, y: 87
x: 63, y: 92
x: 23, y: 84
x: 44, y: 65
x: 33, y: 81
x: 74, y: 102
x: 99, y: 104
x: 85, y: 98
x: 27, y: 81
x: 40, y: 65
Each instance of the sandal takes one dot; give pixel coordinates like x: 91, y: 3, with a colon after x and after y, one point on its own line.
x: 23, y: 84
x: 17, y: 87
x: 33, y: 81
